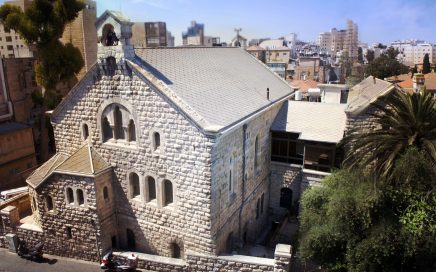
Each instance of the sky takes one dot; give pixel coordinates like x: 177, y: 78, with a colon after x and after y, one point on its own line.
x: 378, y: 20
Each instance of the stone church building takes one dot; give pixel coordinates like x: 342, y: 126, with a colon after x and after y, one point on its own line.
x: 159, y: 151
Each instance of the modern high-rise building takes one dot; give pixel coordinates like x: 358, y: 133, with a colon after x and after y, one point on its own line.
x: 11, y: 44
x: 149, y: 34
x: 194, y: 35
x: 338, y: 40
x: 412, y: 52
x: 170, y: 39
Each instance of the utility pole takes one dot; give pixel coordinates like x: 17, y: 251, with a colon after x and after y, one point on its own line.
x: 237, y: 30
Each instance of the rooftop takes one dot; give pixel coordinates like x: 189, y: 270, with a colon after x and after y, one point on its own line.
x: 320, y: 122
x: 85, y: 161
x: 222, y: 85
x: 367, y: 91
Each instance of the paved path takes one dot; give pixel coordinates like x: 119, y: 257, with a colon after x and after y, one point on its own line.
x: 11, y: 262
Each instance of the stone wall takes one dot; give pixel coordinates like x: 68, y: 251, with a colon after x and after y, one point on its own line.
x: 234, y: 207
x: 70, y: 230
x: 284, y: 175
x: 184, y: 159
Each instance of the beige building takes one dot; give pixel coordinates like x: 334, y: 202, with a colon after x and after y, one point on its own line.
x: 83, y: 35
x: 338, y: 40
x: 258, y: 52
x: 11, y: 44
x: 149, y: 34
x: 17, y: 152
x: 309, y: 68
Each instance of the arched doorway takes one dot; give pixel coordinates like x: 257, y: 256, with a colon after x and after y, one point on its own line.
x: 286, y: 198
x: 131, y: 243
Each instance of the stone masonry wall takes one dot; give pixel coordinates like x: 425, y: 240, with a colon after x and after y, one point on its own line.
x: 234, y: 210
x: 284, y: 176
x: 184, y: 159
x: 81, y: 219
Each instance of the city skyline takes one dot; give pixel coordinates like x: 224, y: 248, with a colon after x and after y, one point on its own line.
x: 379, y: 21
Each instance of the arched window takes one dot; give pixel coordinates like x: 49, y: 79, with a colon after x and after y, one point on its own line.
x: 109, y: 37
x: 80, y: 197
x: 230, y: 181
x: 229, y: 243
x: 168, y: 192
x: 256, y: 154
x: 131, y: 241
x: 111, y: 66
x: 175, y: 251
x: 49, y: 203
x: 107, y: 130
x: 134, y: 185
x: 105, y: 193
x: 118, y: 123
x: 151, y: 184
x: 85, y: 131
x: 70, y: 196
x: 156, y: 140
x: 132, y: 131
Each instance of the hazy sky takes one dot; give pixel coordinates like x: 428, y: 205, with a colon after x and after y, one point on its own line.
x: 378, y: 20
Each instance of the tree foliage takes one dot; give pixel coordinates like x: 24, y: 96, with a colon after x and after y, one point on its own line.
x: 401, y: 121
x: 386, y: 65
x: 370, y: 55
x: 348, y: 224
x: 426, y: 67
x: 42, y: 26
x: 379, y: 212
x: 360, y: 55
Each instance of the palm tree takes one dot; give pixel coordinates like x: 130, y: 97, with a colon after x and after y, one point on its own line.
x: 402, y: 121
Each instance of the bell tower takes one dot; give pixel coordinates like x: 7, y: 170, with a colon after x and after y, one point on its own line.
x: 114, y: 41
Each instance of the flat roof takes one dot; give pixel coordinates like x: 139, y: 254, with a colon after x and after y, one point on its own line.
x: 314, y: 121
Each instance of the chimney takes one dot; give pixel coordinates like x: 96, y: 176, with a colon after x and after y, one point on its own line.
x: 267, y: 93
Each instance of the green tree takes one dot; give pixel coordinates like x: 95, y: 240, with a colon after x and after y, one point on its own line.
x: 360, y: 55
x: 350, y: 225
x: 386, y: 65
x: 41, y: 26
x: 414, y: 70
x: 426, y: 66
x: 401, y: 121
x: 370, y: 55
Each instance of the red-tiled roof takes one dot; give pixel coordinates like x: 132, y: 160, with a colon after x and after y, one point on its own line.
x: 303, y: 85
x: 430, y: 82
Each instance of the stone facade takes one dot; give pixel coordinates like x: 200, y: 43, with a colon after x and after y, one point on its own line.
x: 170, y: 186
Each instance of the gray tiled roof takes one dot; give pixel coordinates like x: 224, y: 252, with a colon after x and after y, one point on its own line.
x: 367, y: 91
x: 84, y: 161
x: 222, y: 85
x: 320, y: 122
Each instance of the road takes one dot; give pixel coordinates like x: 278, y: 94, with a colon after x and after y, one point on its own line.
x: 10, y: 262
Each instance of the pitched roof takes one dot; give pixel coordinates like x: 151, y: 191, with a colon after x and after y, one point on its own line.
x: 85, y: 161
x: 320, y: 122
x: 429, y: 83
x: 255, y: 48
x: 118, y: 16
x: 303, y: 85
x: 399, y: 78
x: 280, y: 48
x: 367, y: 91
x: 221, y: 85
x: 39, y: 175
